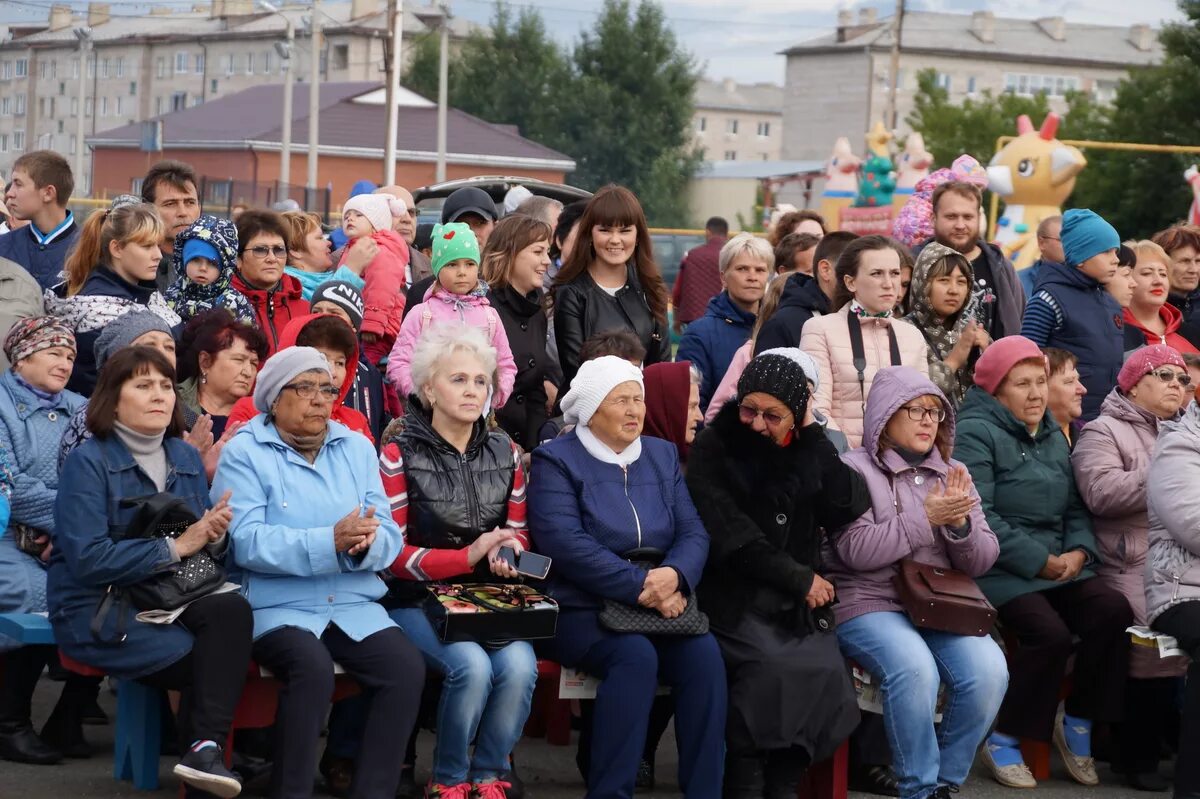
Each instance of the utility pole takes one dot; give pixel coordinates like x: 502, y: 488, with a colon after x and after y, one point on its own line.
x: 314, y: 107
x: 289, y: 83
x: 443, y: 81
x: 894, y: 70
x: 84, y: 34
x: 396, y: 17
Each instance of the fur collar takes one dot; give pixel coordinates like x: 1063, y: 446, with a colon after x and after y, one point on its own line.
x: 758, y: 466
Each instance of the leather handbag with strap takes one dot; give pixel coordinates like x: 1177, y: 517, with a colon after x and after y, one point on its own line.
x: 938, y: 598
x: 618, y: 617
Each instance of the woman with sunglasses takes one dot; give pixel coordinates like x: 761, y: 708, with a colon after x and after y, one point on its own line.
x: 766, y: 480
x: 276, y: 297
x: 1042, y: 582
x: 311, y: 528
x: 1111, y: 462
x: 924, y: 507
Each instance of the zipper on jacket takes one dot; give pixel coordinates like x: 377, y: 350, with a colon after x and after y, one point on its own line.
x: 1178, y: 582
x: 472, y: 500
x: 636, y: 519
x: 271, y: 322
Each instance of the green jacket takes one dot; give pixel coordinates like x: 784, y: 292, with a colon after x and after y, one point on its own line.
x: 1028, y: 492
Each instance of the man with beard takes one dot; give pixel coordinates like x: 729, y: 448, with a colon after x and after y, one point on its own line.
x: 956, y: 225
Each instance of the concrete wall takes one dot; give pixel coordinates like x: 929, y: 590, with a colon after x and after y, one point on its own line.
x: 823, y: 98
x: 746, y: 144
x: 724, y: 197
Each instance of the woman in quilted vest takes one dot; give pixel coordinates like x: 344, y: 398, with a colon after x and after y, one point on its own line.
x: 457, y: 490
x: 862, y: 336
x: 1042, y: 584
x: 924, y: 507
x: 1111, y: 461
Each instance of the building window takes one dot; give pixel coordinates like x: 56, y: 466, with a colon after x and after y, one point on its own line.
x: 135, y: 186
x: 229, y: 64
x: 158, y: 106
x: 731, y: 155
x: 88, y: 106
x: 341, y: 56
x: 266, y: 59
x: 198, y: 64
x: 212, y: 86
x: 104, y: 67
x: 74, y: 68
x: 62, y: 89
x: 731, y: 126
x: 5, y: 70
x: 51, y: 106
x: 160, y: 67
x: 5, y: 106
x: 60, y: 126
x: 73, y: 144
x: 43, y: 69
x: 19, y: 104
x: 74, y: 106
x: 178, y: 101
x: 121, y: 67
x: 249, y: 63
x: 133, y: 89
x: 3, y: 142
x: 197, y: 100
x: 971, y: 87
x: 1028, y: 85
x: 943, y: 81
x: 120, y: 104
x: 701, y: 124
x: 18, y: 140
x: 103, y: 106
x: 22, y: 67
x: 41, y: 106
x: 764, y: 129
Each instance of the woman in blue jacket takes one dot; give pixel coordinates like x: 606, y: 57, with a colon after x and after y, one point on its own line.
x: 135, y: 420
x: 310, y: 529
x: 597, y: 493
x: 34, y: 409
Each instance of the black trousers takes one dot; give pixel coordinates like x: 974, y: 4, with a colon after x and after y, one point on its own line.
x: 210, y: 677
x: 22, y: 669
x: 388, y: 667
x: 1149, y: 706
x: 1182, y: 622
x: 1044, y: 623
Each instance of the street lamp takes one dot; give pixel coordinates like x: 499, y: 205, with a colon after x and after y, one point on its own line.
x: 442, y: 18
x: 285, y: 49
x: 84, y: 35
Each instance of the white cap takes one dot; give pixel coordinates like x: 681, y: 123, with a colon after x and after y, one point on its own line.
x: 595, y: 379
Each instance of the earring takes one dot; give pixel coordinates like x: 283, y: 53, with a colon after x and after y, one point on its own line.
x: 204, y: 377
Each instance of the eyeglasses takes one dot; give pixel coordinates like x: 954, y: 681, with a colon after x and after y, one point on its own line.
x: 261, y: 253
x: 309, y: 390
x: 748, y: 414
x: 918, y: 413
x: 1166, y: 375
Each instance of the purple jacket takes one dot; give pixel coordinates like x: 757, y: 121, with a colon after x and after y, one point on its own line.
x: 863, y: 559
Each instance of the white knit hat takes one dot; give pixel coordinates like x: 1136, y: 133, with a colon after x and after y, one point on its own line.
x: 803, y: 359
x: 516, y: 195
x: 377, y: 208
x: 595, y: 379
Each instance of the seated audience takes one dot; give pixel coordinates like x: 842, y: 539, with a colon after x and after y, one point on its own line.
x: 218, y: 363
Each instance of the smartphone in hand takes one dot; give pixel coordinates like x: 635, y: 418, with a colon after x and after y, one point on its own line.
x: 530, y: 564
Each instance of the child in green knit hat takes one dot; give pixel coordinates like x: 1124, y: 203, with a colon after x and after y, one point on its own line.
x: 458, y: 296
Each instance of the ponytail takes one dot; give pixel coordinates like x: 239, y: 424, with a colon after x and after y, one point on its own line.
x: 134, y: 222
x: 86, y: 253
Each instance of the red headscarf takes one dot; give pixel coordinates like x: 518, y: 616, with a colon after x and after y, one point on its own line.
x: 668, y: 388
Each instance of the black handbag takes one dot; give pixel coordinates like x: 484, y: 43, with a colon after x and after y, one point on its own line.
x: 618, y: 617
x: 490, y: 613
x: 165, y: 515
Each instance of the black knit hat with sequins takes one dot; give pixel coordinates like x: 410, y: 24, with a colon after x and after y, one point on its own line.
x: 779, y: 376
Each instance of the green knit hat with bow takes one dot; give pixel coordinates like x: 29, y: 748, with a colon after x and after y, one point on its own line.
x: 452, y: 241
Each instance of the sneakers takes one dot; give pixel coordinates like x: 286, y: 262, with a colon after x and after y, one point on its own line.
x: 203, y: 767
x: 492, y: 789
x: 435, y: 790
x: 944, y: 792
x: 1081, y: 769
x: 1015, y: 774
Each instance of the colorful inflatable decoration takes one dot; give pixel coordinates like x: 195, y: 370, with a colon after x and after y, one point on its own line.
x: 877, y: 183
x: 914, y: 223
x: 1034, y: 174
x: 872, y: 210
x: 912, y: 166
x: 841, y: 180
x: 1192, y: 176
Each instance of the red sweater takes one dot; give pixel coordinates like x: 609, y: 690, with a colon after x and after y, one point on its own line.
x: 423, y: 563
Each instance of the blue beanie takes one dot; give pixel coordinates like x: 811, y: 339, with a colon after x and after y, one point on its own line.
x: 199, y: 248
x: 1085, y: 234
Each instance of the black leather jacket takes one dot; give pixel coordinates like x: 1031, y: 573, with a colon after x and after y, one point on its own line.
x: 582, y: 309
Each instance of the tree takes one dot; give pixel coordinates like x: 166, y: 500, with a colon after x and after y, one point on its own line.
x: 421, y: 74
x: 630, y: 108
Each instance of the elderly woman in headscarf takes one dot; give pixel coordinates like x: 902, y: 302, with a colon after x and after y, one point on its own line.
x: 604, y: 495
x: 673, y: 404
x: 34, y: 409
x: 311, y: 527
x: 944, y: 310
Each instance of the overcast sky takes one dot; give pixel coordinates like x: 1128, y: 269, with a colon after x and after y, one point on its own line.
x: 741, y: 38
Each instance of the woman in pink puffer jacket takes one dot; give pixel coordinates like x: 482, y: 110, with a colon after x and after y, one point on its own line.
x: 868, y: 273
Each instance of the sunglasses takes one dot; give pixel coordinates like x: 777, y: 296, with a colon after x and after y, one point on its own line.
x: 748, y: 414
x: 1166, y: 375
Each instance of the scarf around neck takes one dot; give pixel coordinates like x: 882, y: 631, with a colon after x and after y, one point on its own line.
x: 603, y: 453
x: 863, y: 313
x: 307, y: 446
x: 46, y: 400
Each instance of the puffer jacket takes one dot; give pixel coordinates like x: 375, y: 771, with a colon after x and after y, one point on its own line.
x: 863, y: 559
x: 1111, y: 459
x: 1028, y: 495
x: 1172, y: 565
x: 275, y: 307
x: 840, y: 397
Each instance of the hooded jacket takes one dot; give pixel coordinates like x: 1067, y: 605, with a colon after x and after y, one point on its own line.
x: 383, y: 289
x: 863, y: 559
x: 942, y: 334
x: 1172, y: 563
x: 244, y: 410
x: 1009, y: 297
x: 274, y: 307
x: 1137, y: 335
x: 839, y: 396
x: 765, y: 507
x: 187, y: 298
x: 1111, y: 460
x: 711, y: 341
x: 444, y: 307
x: 1028, y: 492
x: 802, y: 299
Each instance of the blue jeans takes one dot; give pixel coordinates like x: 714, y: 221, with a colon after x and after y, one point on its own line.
x: 485, y: 698
x: 910, y: 664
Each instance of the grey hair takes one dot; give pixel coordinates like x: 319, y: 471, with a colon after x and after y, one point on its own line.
x: 694, y: 375
x: 539, y: 208
x: 750, y: 244
x: 440, y: 340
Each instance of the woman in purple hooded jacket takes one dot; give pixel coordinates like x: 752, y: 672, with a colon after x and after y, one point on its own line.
x: 925, y: 507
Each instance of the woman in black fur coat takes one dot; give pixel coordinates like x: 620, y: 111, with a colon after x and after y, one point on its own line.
x: 766, y: 482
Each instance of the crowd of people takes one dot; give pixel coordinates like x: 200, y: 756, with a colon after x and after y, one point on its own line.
x: 255, y: 441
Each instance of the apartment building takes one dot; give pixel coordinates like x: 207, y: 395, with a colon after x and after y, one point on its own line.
x: 738, y: 121
x: 144, y: 65
x: 839, y: 84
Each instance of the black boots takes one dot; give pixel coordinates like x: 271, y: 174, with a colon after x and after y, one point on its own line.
x: 744, y: 776
x: 19, y: 743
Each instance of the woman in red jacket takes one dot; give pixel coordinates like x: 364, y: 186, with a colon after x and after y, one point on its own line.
x: 1148, y: 313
